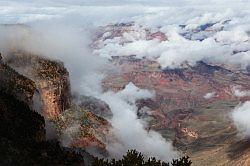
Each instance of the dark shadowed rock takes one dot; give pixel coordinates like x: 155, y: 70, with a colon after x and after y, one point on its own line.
x: 204, y: 68
x: 22, y: 140
x: 16, y: 84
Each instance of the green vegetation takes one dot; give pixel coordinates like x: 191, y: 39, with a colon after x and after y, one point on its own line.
x: 134, y: 158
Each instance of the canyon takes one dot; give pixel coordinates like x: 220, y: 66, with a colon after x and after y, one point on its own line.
x: 191, y: 104
x: 200, y: 126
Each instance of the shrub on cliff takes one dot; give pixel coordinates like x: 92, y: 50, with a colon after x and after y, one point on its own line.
x: 134, y: 158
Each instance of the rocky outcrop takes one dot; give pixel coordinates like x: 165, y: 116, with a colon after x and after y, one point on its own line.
x: 23, y: 135
x: 50, y: 77
x: 94, y: 105
x: 81, y: 128
x: 77, y: 122
x: 189, y: 132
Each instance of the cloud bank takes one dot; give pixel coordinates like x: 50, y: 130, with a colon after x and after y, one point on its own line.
x: 239, y: 93
x: 213, y: 31
x: 70, y: 45
x: 131, y: 131
x: 240, y: 116
x: 211, y: 37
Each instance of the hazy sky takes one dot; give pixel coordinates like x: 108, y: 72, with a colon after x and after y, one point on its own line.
x: 121, y: 2
x: 25, y: 11
x: 97, y: 2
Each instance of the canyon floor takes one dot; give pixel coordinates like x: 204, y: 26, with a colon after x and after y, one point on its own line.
x: 193, y: 103
x: 199, y: 127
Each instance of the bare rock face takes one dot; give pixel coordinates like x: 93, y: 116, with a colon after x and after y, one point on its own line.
x: 23, y: 135
x: 81, y: 128
x: 78, y: 125
x: 43, y: 84
x: 50, y: 77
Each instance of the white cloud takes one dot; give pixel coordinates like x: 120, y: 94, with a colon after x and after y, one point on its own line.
x: 56, y: 35
x: 240, y: 116
x: 58, y: 41
x: 239, y: 93
x: 209, y: 95
x: 130, y: 130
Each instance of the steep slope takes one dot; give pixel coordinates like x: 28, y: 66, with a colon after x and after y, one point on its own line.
x: 54, y: 101
x: 23, y: 140
x: 50, y: 77
x: 80, y: 128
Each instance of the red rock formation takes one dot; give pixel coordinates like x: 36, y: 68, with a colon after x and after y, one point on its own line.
x: 50, y: 77
x: 53, y: 89
x: 91, y: 131
x: 124, y: 32
x: 189, y: 132
x: 179, y: 89
x: 23, y: 135
x: 88, y: 142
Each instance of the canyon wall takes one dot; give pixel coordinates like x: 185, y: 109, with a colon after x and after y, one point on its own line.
x: 23, y: 135
x: 51, y: 97
x: 50, y: 77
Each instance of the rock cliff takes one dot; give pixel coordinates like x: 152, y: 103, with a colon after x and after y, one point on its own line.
x: 44, y: 85
x: 23, y: 135
x: 50, y: 77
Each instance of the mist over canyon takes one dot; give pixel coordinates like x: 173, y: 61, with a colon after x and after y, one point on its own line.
x: 166, y: 78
